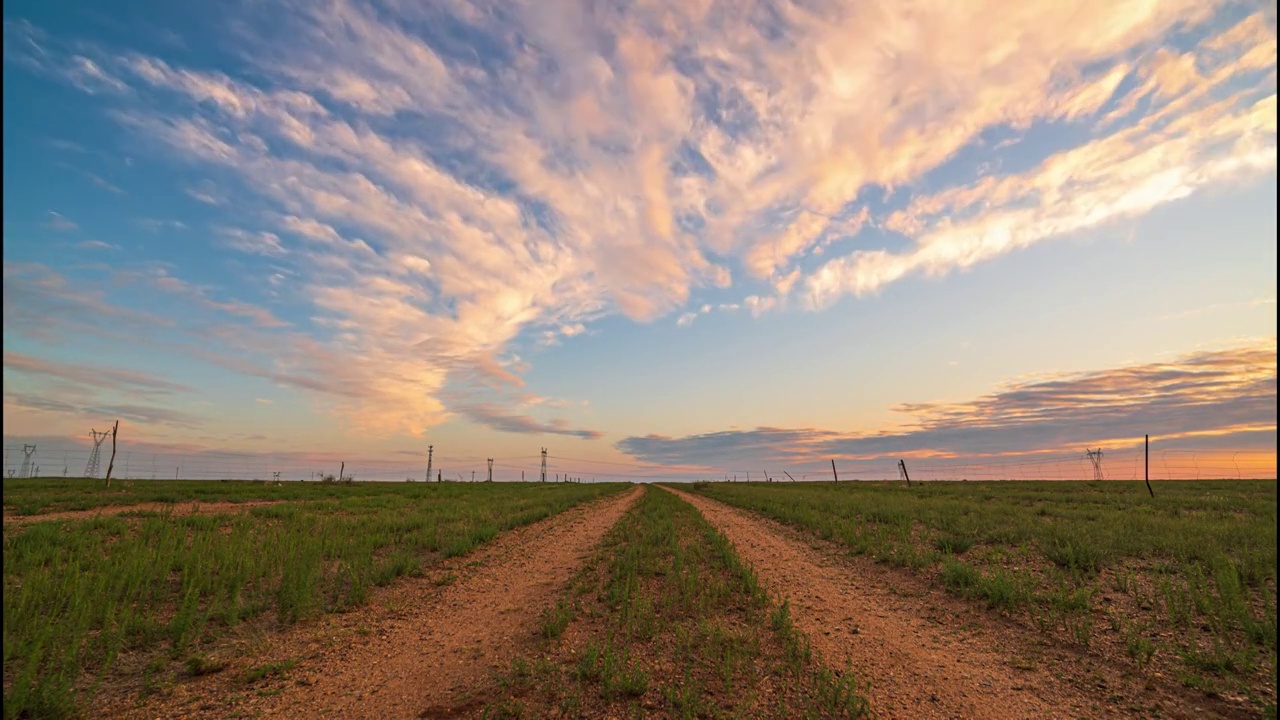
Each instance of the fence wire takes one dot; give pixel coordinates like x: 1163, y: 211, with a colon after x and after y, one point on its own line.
x: 1165, y: 464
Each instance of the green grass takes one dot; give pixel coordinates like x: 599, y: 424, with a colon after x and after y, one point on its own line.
x: 35, y: 496
x: 668, y: 621
x: 1199, y: 558
x: 78, y: 594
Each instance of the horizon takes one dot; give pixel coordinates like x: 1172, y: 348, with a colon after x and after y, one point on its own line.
x: 683, y: 240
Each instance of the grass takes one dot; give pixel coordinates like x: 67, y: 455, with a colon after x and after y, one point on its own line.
x: 80, y: 594
x: 668, y: 621
x: 1199, y: 558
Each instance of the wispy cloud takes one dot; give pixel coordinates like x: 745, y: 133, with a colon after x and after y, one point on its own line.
x: 439, y: 199
x: 155, y: 224
x: 254, y: 243
x: 503, y: 421
x: 59, y: 222
x: 96, y: 245
x: 116, y: 378
x: 1227, y: 394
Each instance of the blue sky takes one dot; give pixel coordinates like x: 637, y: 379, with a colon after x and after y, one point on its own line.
x: 687, y: 235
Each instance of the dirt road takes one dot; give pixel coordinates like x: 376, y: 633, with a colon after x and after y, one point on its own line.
x: 418, y: 648
x: 192, y: 507
x: 917, y: 669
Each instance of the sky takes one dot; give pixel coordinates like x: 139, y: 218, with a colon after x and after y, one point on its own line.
x: 686, y: 238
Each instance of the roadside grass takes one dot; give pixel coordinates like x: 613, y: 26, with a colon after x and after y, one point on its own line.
x: 1184, y: 582
x: 667, y: 621
x: 80, y: 594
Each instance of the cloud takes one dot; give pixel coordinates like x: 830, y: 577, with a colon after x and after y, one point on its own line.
x: 59, y: 222
x: 254, y: 243
x: 437, y: 199
x: 1226, y: 397
x: 116, y: 378
x: 686, y: 319
x: 502, y: 421
x: 154, y: 224
x: 97, y: 180
x: 141, y: 414
x: 43, y: 304
x: 205, y: 193
x: 96, y: 245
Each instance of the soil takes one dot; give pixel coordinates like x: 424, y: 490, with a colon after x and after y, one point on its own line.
x: 420, y: 644
x: 928, y: 654
x: 177, y: 508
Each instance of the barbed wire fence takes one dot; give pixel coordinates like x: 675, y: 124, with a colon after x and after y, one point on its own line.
x: 1166, y: 463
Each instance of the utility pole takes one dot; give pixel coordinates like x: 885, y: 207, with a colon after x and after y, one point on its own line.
x: 490, y: 470
x: 430, y: 451
x: 902, y: 466
x: 835, y: 477
x: 473, y: 476
x: 544, y: 465
x: 112, y: 462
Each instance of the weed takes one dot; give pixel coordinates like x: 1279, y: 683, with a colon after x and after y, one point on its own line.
x: 272, y: 669
x: 555, y: 619
x: 201, y: 665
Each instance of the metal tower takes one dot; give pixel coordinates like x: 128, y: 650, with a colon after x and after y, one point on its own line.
x: 91, y: 469
x: 1095, y: 459
x: 544, y: 465
x: 27, y: 468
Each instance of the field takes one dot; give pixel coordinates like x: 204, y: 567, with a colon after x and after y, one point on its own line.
x: 241, y: 599
x: 1182, y: 585
x: 79, y: 594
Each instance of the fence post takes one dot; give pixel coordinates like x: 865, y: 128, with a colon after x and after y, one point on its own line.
x: 1146, y: 463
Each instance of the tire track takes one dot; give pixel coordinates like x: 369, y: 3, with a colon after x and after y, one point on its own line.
x: 916, y: 668
x: 427, y: 642
x: 185, y: 507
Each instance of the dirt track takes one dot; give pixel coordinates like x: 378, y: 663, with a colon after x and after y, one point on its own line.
x: 418, y: 649
x: 917, y: 669
x: 192, y: 507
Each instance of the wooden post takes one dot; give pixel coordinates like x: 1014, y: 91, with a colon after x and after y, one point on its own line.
x: 903, y: 464
x: 341, y: 470
x: 114, y: 429
x: 835, y: 477
x: 784, y: 472
x: 1146, y: 462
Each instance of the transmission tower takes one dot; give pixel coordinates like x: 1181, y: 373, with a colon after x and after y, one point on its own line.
x: 1095, y: 459
x: 490, y: 470
x: 544, y: 465
x: 91, y: 469
x: 430, y: 451
x: 27, y: 468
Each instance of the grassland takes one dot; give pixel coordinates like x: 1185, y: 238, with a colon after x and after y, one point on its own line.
x: 160, y: 589
x: 1183, y: 584
x: 37, y: 496
x: 668, y: 622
